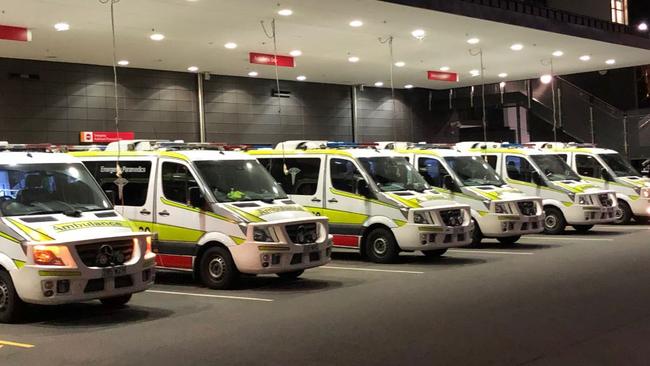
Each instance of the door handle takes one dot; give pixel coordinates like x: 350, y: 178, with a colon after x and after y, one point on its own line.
x: 315, y: 199
x: 163, y: 213
x: 333, y: 200
x: 145, y: 212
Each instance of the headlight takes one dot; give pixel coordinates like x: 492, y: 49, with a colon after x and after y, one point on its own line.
x: 148, y: 241
x: 52, y: 255
x: 263, y: 235
x: 420, y: 218
x: 645, y: 192
x: 582, y: 200
x: 500, y: 208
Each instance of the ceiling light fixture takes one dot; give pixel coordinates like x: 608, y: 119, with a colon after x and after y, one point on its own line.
x: 379, y: 84
x: 400, y: 63
x: 503, y: 75
x: 473, y: 41
x: 558, y: 53
x: 356, y: 23
x: 546, y: 79
x: 419, y: 34
x: 643, y: 27
x: 585, y: 58
x: 502, y: 84
x: 296, y: 53
x: 193, y: 69
x: 445, y: 68
x: 353, y: 59
x: 301, y: 78
x: 253, y: 73
x: 611, y: 61
x: 230, y: 45
x: 408, y: 86
x: 122, y: 62
x: 517, y: 47
x: 62, y: 27
x: 285, y: 12
x: 475, y: 73
x: 157, y: 37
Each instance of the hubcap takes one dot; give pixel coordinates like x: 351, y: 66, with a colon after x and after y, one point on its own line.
x: 380, y: 246
x: 618, y: 213
x: 550, y: 221
x: 4, y: 295
x: 216, y: 267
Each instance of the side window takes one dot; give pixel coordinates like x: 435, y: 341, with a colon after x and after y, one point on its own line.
x: 518, y: 168
x: 176, y: 182
x: 588, y: 166
x: 300, y: 176
x: 432, y: 170
x: 344, y: 175
x: 136, y: 172
x: 492, y: 160
x: 564, y: 157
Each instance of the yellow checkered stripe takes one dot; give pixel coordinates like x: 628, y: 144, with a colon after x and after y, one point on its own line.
x: 34, y: 234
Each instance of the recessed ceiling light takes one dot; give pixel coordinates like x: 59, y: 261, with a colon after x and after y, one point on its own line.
x: 473, y: 41
x: 611, y: 61
x: 400, y: 63
x: 122, y: 62
x: 558, y: 53
x: 475, y: 73
x: 62, y: 27
x: 253, y: 73
x: 157, y: 37
x: 517, y: 47
x: 193, y: 69
x: 643, y: 27
x: 230, y: 45
x: 356, y: 23
x: 503, y: 75
x: 295, y: 53
x: 585, y: 58
x: 285, y: 12
x: 379, y: 84
x: 546, y: 79
x: 408, y: 86
x: 418, y: 33
x: 301, y: 78
x: 353, y: 59
x: 445, y: 68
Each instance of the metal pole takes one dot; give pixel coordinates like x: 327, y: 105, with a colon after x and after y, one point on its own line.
x: 591, y: 122
x: 353, y: 100
x: 559, y: 104
x: 627, y: 153
x: 199, y: 82
x: 518, y: 131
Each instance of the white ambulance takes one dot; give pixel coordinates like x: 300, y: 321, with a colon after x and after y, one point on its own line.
x: 607, y: 169
x: 375, y: 201
x: 214, y: 213
x: 61, y: 241
x: 498, y: 210
x: 567, y: 199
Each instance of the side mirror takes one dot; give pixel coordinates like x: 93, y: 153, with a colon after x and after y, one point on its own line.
x: 364, y: 189
x: 111, y: 196
x: 537, y: 179
x: 448, y: 183
x: 605, y: 175
x: 196, y: 197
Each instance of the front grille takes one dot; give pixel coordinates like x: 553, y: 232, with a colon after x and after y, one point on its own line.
x: 302, y: 233
x: 117, y: 252
x: 452, y: 217
x: 527, y: 208
x: 605, y: 200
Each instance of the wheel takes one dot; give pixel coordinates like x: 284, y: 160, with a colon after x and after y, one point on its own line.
x: 477, y: 234
x: 381, y: 246
x: 12, y: 308
x: 623, y: 213
x: 554, y: 222
x: 290, y: 275
x: 582, y: 228
x: 509, y: 240
x: 116, y: 301
x: 434, y: 253
x: 217, y: 270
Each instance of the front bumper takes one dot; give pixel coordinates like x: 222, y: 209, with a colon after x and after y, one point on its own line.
x: 265, y: 258
x: 501, y: 225
x: 590, y: 215
x: 429, y: 237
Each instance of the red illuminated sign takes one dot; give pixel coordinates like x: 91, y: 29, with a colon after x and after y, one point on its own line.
x: 12, y: 33
x: 443, y: 76
x: 267, y: 59
x: 104, y: 137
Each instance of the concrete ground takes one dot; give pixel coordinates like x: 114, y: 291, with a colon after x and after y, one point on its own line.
x: 566, y: 300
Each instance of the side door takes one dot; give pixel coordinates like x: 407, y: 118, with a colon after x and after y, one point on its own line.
x: 588, y: 166
x: 137, y: 199
x: 433, y: 171
x: 520, y: 171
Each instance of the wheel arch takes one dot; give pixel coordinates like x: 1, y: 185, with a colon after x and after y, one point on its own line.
x: 367, y: 231
x: 201, y: 250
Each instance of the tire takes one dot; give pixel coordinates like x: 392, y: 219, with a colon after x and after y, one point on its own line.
x: 290, y: 275
x: 509, y: 240
x: 116, y: 301
x: 623, y: 213
x: 477, y: 235
x: 554, y: 222
x: 582, y: 228
x: 217, y: 270
x: 12, y: 308
x: 381, y: 246
x: 435, y: 253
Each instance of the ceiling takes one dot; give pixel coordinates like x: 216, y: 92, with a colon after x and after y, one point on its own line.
x: 197, y: 30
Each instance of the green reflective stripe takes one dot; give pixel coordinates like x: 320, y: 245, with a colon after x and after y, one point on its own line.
x: 78, y: 225
x: 32, y: 233
x: 575, y: 189
x: 433, y: 229
x: 9, y: 237
x: 483, y: 213
x: 246, y: 215
x: 567, y: 204
x: 509, y: 217
x: 635, y: 197
x: 59, y: 273
x: 196, y: 210
x: 493, y: 196
x: 400, y: 223
x: 338, y: 216
x: 237, y: 240
x: 177, y: 233
x: 512, y: 181
x: 361, y: 198
x: 20, y: 264
x: 271, y: 210
x: 412, y: 203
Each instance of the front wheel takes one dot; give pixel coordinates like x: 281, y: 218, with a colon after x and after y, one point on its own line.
x: 217, y: 270
x: 509, y: 240
x: 435, y: 253
x: 583, y: 228
x: 290, y: 275
x: 477, y: 234
x: 12, y: 308
x: 116, y: 301
x: 554, y: 222
x: 381, y: 246
x: 623, y: 213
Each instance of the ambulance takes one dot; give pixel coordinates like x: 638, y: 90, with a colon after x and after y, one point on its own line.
x: 61, y: 240
x: 376, y: 202
x: 214, y: 213
x: 607, y: 169
x: 567, y: 199
x: 498, y: 210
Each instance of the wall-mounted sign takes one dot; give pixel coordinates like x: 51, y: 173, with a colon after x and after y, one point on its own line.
x: 267, y: 59
x: 104, y: 136
x: 12, y: 33
x: 443, y: 76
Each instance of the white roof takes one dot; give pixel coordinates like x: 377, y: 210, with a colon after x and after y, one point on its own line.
x: 27, y: 157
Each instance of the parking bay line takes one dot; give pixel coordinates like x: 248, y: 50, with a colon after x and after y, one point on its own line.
x: 16, y: 344
x: 210, y: 296
x: 487, y: 252
x: 559, y: 238
x: 370, y: 270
